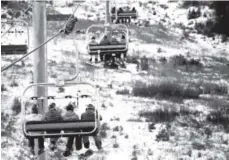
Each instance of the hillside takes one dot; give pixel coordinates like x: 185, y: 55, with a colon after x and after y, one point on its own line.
x: 175, y: 107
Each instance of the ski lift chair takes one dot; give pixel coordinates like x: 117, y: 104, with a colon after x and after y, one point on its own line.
x: 49, y: 129
x: 108, y: 49
x: 124, y: 16
x: 15, y: 49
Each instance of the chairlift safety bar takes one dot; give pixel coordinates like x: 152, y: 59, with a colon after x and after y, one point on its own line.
x: 61, y: 133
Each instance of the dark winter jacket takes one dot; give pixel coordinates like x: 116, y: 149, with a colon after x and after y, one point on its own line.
x: 53, y: 115
x: 70, y: 115
x: 90, y: 115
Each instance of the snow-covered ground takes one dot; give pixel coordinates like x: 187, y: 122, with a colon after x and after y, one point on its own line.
x: 133, y: 138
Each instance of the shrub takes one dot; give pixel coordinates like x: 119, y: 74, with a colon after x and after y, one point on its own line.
x: 103, y: 133
x: 118, y: 128
x: 16, y: 106
x: 162, y: 135
x: 165, y: 89
x: 180, y: 60
x: 159, y: 115
x: 61, y: 90
x: 213, y: 88
x: 3, y: 88
x: 14, y: 83
x: 123, y: 91
x: 7, y: 125
x: 219, y: 117
x: 198, y: 145
x: 105, y: 127
x: 115, y: 145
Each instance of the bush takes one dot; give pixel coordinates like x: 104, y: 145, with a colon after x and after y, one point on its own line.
x: 159, y: 115
x: 115, y: 145
x: 3, y: 88
x: 61, y: 90
x: 198, y: 146
x: 162, y: 135
x: 16, y: 106
x: 219, y: 117
x: 213, y: 88
x: 123, y: 91
x: 118, y: 128
x: 7, y: 125
x: 14, y: 83
x: 166, y: 89
x: 180, y: 60
x: 105, y: 127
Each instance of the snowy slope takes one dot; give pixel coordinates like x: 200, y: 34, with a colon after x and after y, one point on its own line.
x: 66, y: 56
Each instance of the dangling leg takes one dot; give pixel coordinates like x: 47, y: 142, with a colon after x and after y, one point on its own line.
x: 86, y: 142
x: 98, y: 141
x: 69, y: 144
x: 41, y: 145
x: 78, y: 142
x: 53, y: 143
x: 31, y: 145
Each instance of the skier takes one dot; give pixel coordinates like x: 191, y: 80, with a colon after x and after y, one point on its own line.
x: 93, y: 42
x: 71, y: 115
x: 53, y: 115
x: 105, y: 40
x: 90, y: 114
x: 34, y: 116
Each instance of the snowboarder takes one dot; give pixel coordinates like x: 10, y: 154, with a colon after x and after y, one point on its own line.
x: 53, y: 115
x: 71, y: 115
x: 90, y: 114
x: 34, y: 116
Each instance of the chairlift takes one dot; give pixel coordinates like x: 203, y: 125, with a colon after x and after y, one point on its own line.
x: 115, y: 48
x: 14, y: 49
x: 123, y: 15
x: 62, y: 128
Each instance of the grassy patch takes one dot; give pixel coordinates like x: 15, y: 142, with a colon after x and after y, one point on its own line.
x: 220, y: 117
x: 16, y: 106
x: 166, y: 89
x: 123, y: 91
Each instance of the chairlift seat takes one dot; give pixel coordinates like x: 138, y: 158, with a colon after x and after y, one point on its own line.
x: 126, y: 14
x: 13, y: 49
x: 43, y: 128
x: 111, y: 48
x: 58, y: 17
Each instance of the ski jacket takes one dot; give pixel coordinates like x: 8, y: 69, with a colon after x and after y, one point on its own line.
x: 53, y: 115
x: 90, y: 115
x: 70, y: 115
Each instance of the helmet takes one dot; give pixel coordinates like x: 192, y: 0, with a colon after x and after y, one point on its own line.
x: 52, y: 105
x: 35, y: 108
x: 69, y: 107
x: 90, y: 106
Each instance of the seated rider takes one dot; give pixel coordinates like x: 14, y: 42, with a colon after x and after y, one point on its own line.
x: 71, y: 115
x: 123, y: 39
x: 53, y: 115
x: 90, y: 114
x: 34, y: 116
x: 93, y: 42
x: 114, y: 40
x: 105, y: 40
